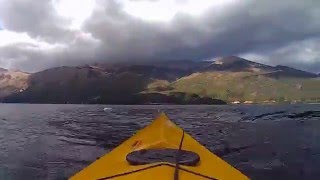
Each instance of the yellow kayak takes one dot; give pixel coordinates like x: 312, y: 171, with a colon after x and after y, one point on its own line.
x: 163, y: 151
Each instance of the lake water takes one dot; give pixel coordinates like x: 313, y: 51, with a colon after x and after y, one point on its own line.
x: 53, y: 142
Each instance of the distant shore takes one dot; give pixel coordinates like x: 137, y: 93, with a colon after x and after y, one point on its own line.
x: 161, y: 104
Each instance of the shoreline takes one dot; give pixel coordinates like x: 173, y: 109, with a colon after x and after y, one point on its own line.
x: 162, y: 104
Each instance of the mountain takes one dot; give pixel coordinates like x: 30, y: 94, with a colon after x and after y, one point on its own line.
x: 235, y: 79
x: 285, y: 71
x: 184, y: 65
x: 92, y: 84
x: 2, y: 70
x: 12, y: 82
x: 228, y: 79
x: 250, y: 87
x: 236, y: 64
x: 79, y: 85
x: 154, y: 72
x: 169, y: 70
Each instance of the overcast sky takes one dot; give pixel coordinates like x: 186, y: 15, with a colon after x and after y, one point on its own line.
x: 39, y: 34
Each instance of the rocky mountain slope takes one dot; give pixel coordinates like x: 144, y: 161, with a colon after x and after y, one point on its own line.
x: 228, y: 79
x: 12, y: 82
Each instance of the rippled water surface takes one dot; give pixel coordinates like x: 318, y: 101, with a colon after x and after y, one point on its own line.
x: 53, y: 142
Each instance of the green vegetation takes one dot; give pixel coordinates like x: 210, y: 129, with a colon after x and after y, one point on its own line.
x: 247, y: 86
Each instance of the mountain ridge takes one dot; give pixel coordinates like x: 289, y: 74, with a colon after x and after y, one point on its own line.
x: 228, y: 79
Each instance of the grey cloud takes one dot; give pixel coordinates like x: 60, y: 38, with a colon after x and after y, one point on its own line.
x: 35, y: 17
x: 259, y: 27
x: 246, y: 26
x: 31, y: 58
x: 302, y: 55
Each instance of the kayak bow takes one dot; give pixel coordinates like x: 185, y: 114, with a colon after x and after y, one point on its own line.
x: 160, y: 151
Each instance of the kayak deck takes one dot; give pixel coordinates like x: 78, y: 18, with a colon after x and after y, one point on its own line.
x: 161, y: 133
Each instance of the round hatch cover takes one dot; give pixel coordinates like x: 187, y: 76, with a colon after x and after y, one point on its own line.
x: 148, y: 156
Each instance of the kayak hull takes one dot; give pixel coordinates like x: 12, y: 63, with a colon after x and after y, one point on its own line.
x: 161, y: 133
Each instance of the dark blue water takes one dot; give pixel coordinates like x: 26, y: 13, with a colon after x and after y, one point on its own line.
x: 53, y: 142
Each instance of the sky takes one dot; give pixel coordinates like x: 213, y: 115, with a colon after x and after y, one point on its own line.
x: 40, y: 34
